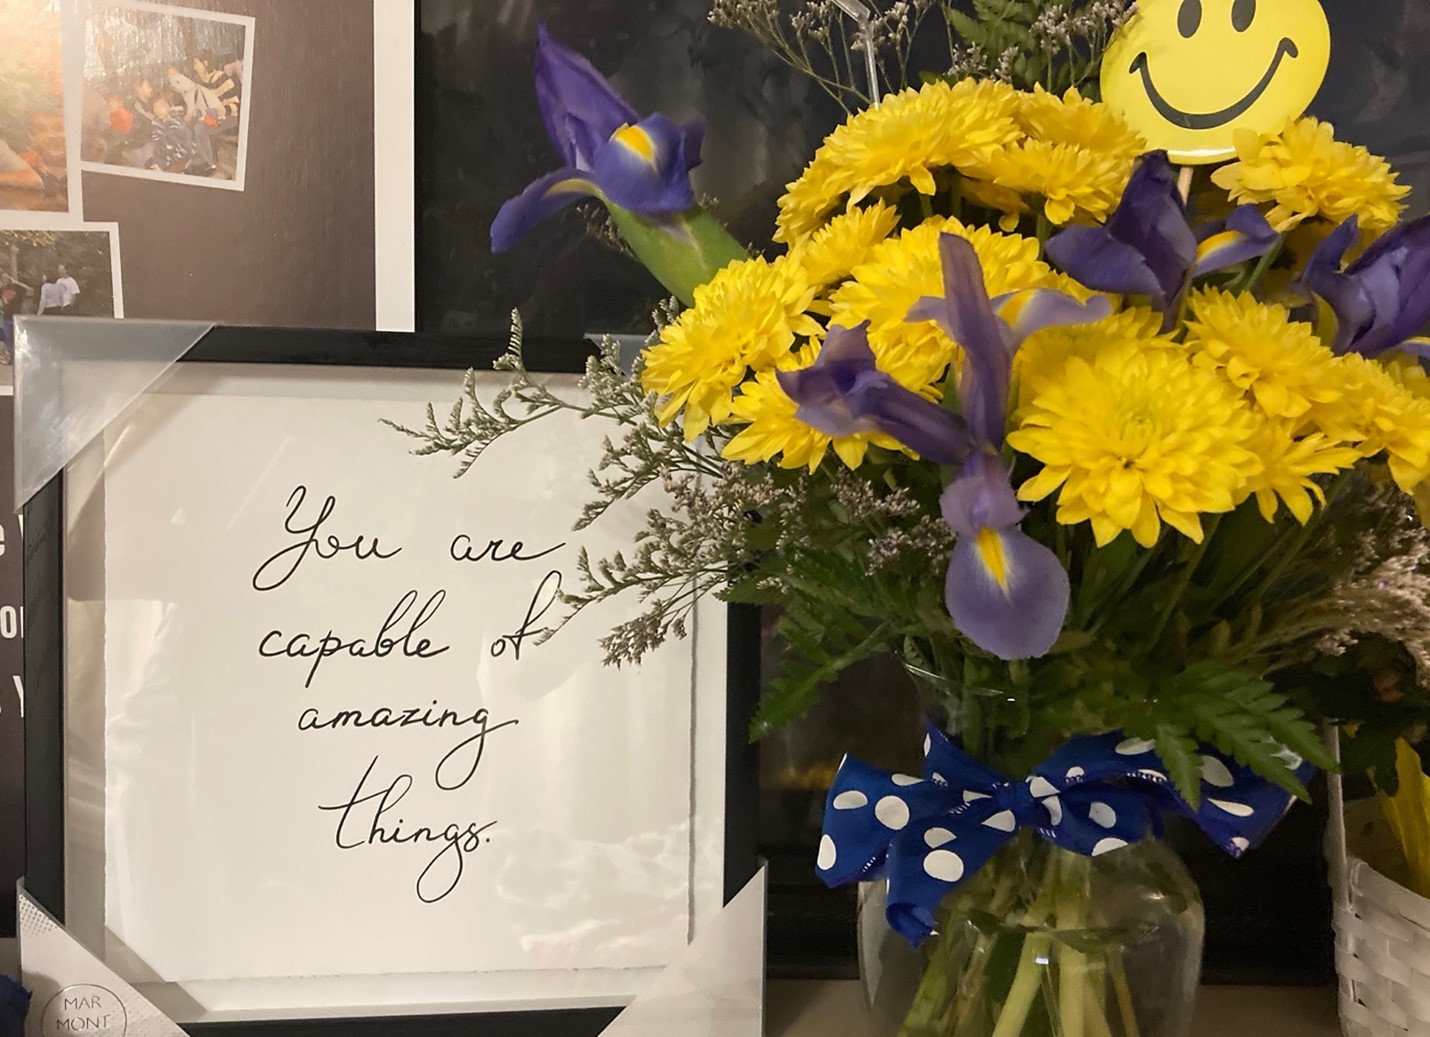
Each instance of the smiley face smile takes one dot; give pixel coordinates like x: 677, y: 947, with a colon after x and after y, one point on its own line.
x: 1211, y: 120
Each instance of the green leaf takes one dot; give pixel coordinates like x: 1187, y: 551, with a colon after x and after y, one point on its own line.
x: 1179, y: 754
x: 964, y: 26
x: 823, y: 641
x: 1371, y: 751
x: 1245, y: 718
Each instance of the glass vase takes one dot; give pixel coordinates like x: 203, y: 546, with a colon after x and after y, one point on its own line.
x: 1040, y: 941
x: 1044, y: 941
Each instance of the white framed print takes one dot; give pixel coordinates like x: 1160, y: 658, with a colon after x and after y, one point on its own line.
x: 304, y: 746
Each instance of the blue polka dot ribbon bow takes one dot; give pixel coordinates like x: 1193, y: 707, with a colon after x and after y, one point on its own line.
x: 1094, y: 795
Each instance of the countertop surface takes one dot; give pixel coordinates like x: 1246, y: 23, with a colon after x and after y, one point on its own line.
x: 836, y: 1009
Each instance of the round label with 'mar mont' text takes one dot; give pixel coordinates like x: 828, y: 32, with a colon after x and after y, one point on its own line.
x: 84, y: 1009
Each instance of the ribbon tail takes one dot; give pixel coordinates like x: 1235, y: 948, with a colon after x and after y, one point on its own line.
x: 931, y: 861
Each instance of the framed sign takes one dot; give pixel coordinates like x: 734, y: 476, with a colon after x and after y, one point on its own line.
x: 298, y: 744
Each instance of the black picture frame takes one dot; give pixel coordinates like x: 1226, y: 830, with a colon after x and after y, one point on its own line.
x: 44, y: 563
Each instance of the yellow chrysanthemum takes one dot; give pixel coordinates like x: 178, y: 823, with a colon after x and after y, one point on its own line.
x: 1409, y: 373
x: 1042, y: 358
x: 1289, y: 463
x: 1077, y: 158
x: 831, y: 253
x: 746, y: 318
x: 1135, y: 438
x: 772, y: 430
x: 1277, y: 362
x: 904, y: 269
x: 1394, y: 419
x: 1307, y: 173
x: 998, y: 198
x: 909, y: 136
x: 1074, y: 183
x: 1073, y: 119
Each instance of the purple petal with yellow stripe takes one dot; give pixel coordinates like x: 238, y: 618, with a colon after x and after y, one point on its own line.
x: 546, y: 196
x: 1035, y: 309
x: 843, y: 393
x: 1245, y: 236
x: 646, y: 167
x: 1006, y: 592
x: 579, y: 106
x: 638, y: 165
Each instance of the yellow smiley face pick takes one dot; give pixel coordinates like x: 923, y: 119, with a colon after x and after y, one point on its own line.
x: 1188, y: 74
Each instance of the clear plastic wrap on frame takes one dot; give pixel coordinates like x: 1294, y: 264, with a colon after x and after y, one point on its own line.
x: 75, y: 375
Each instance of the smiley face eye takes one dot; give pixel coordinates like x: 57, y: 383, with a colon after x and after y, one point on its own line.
x: 1189, y: 18
x: 1243, y: 13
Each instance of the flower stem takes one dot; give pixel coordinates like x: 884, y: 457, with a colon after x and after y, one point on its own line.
x: 955, y: 193
x: 1036, y: 945
x: 1025, y: 985
x: 1072, y: 964
x: 1096, y: 1005
x: 1124, y: 993
x: 971, y: 982
x: 1183, y: 582
x: 1259, y: 272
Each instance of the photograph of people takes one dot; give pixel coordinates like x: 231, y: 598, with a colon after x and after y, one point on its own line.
x: 34, y: 152
x: 165, y: 93
x: 58, y: 273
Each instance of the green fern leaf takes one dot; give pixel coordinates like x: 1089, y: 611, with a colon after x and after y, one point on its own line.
x: 823, y: 642
x: 1178, y: 751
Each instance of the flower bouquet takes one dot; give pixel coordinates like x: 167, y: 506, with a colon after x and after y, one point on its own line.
x: 1122, y: 460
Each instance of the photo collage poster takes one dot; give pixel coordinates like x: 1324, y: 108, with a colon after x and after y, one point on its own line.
x: 228, y: 149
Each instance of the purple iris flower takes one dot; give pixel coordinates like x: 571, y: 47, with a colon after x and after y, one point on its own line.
x: 641, y: 165
x: 1006, y: 592
x: 1148, y: 247
x: 14, y: 1006
x: 1382, y: 300
x: 843, y: 393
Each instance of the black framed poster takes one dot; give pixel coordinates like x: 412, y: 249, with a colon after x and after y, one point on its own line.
x: 298, y: 746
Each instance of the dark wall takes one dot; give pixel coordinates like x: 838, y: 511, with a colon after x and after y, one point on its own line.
x: 295, y: 247
x: 1378, y: 91
x: 12, y: 756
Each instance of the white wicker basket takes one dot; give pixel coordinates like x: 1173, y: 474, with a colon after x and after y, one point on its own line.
x: 1382, y: 933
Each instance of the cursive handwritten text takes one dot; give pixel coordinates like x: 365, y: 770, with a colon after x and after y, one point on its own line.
x: 280, y: 567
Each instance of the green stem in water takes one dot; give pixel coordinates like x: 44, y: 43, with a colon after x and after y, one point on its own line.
x: 926, y: 206
x: 1025, y: 985
x: 1036, y: 945
x: 1123, y: 992
x: 971, y: 984
x: 1096, y: 1005
x: 1072, y: 964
